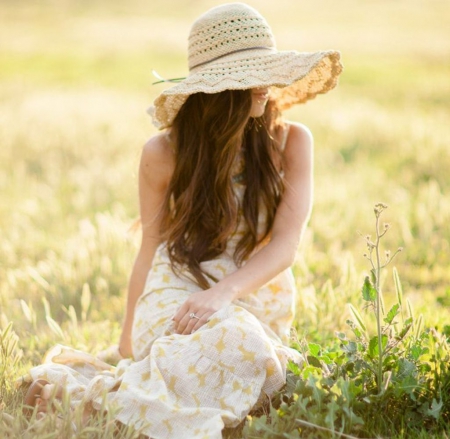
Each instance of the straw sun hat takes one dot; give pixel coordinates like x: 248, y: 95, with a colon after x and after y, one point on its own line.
x: 231, y: 47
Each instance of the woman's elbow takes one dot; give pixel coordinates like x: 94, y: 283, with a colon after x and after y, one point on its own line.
x: 291, y: 256
x: 288, y: 255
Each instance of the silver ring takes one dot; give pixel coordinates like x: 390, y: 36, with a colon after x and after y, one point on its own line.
x: 193, y: 316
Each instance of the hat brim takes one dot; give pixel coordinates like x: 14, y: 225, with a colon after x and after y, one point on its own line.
x: 296, y: 76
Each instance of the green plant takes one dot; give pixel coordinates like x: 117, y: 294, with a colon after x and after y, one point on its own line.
x: 398, y: 369
x: 371, y: 292
x: 395, y: 366
x: 313, y: 405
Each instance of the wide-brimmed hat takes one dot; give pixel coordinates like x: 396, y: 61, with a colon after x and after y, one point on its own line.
x: 231, y: 47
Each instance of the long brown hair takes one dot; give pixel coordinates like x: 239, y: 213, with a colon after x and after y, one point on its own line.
x: 201, y: 211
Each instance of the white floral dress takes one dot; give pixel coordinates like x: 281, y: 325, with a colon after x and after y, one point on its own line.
x: 188, y: 386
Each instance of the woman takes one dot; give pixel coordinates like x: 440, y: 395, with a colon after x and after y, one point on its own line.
x: 225, y: 194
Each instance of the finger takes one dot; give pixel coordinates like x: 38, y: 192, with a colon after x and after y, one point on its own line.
x: 193, y: 321
x: 196, y: 322
x: 48, y: 391
x: 184, y: 323
x: 203, y: 319
x: 189, y: 327
x: 182, y: 311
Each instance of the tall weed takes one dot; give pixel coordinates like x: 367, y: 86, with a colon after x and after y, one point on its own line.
x: 399, y: 369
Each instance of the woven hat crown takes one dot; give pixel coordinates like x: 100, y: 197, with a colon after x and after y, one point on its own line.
x: 227, y: 29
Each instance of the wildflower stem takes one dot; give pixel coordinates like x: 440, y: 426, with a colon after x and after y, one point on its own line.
x: 378, y: 307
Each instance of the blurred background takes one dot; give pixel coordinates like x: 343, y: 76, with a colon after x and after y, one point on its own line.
x: 75, y: 81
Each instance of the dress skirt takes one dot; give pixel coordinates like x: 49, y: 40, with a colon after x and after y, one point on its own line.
x: 186, y: 386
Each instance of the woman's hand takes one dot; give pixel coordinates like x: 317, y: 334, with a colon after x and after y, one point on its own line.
x: 199, y: 307
x: 124, y: 348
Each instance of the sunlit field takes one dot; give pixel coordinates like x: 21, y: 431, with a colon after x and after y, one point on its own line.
x: 75, y: 82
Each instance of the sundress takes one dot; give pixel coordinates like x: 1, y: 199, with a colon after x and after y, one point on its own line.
x: 188, y: 386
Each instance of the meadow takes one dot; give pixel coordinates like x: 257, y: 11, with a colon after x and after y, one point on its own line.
x: 75, y: 81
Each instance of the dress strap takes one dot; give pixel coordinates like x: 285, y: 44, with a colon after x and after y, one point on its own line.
x: 285, y: 136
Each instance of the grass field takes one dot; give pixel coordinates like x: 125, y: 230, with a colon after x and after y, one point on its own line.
x: 75, y: 80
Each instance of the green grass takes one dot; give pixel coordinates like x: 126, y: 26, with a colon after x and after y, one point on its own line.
x: 75, y: 80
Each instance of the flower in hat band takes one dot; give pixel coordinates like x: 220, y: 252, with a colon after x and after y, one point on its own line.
x: 231, y: 47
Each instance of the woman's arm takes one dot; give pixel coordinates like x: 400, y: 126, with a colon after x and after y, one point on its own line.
x: 155, y: 171
x: 290, y: 221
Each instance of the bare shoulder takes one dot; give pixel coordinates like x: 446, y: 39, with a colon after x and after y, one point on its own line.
x: 299, y: 144
x: 157, y: 160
